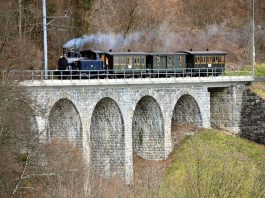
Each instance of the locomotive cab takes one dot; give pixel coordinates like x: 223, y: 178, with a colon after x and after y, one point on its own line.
x: 82, y: 60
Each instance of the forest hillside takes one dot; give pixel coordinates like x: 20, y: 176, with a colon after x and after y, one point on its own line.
x: 139, y: 25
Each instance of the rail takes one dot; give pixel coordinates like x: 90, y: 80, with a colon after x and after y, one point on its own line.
x: 120, y: 74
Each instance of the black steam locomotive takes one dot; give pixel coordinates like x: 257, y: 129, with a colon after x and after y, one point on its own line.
x: 89, y: 63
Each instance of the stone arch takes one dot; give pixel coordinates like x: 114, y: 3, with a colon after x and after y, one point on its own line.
x: 186, y: 112
x: 65, y: 121
x: 148, y: 129
x: 107, y: 148
x: 203, y: 103
x: 150, y: 93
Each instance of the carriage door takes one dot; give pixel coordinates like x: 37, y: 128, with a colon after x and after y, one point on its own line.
x: 149, y: 62
x: 163, y: 62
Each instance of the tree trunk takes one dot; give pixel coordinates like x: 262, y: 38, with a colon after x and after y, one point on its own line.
x: 20, y: 18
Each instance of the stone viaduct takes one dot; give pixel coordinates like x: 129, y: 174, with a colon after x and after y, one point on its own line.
x: 113, y: 120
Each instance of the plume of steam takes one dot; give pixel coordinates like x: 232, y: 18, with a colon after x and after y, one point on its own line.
x: 111, y: 40
x: 163, y: 39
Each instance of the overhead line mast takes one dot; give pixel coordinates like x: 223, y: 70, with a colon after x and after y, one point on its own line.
x: 45, y: 39
x: 45, y: 45
x: 253, y: 38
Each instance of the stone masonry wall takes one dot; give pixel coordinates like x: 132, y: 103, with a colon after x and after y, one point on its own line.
x: 107, y: 139
x: 253, y: 117
x: 220, y: 108
x: 111, y: 118
x: 240, y: 111
x: 64, y: 122
x: 187, y: 112
x: 226, y: 107
x: 148, y: 131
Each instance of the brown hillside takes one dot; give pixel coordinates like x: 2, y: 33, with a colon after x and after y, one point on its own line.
x: 164, y: 26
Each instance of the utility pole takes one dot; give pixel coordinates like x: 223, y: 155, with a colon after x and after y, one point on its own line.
x: 253, y: 38
x: 45, y: 45
x: 45, y: 40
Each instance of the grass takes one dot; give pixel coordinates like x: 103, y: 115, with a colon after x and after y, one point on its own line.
x: 214, y: 164
x: 259, y: 89
x: 238, y: 72
x: 259, y: 71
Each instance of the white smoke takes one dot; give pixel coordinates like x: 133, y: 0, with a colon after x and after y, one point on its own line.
x: 163, y: 39
x: 111, y: 40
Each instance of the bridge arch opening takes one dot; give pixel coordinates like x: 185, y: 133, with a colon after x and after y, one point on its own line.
x: 148, y: 129
x: 186, y: 118
x: 107, y: 139
x: 65, y: 122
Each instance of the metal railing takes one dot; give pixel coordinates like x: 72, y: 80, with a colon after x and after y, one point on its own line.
x: 120, y: 74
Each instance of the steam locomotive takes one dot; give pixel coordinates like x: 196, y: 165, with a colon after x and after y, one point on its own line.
x: 89, y: 63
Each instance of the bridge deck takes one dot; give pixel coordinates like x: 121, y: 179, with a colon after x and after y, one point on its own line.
x: 214, y: 81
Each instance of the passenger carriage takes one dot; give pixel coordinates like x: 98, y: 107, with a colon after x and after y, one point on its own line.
x: 205, y: 63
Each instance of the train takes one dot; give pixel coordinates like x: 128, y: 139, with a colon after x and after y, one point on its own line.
x: 91, y: 63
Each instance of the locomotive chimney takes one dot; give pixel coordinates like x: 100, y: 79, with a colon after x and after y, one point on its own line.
x: 64, y: 51
x: 207, y: 49
x: 129, y: 50
x: 110, y: 50
x: 190, y: 49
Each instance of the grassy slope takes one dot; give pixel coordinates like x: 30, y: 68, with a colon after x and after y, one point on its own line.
x: 260, y: 69
x: 199, y: 162
x: 259, y: 89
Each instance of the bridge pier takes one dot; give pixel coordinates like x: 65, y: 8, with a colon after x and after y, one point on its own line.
x: 128, y: 149
x: 226, y: 104
x: 42, y: 123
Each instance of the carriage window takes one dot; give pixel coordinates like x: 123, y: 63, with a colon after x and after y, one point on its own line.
x: 204, y: 59
x: 201, y: 59
x: 142, y: 61
x: 209, y: 60
x: 138, y: 60
x: 129, y: 63
x: 219, y: 59
x: 124, y: 61
x: 197, y: 60
x: 216, y: 59
x: 181, y: 59
x: 158, y: 59
x: 222, y: 59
